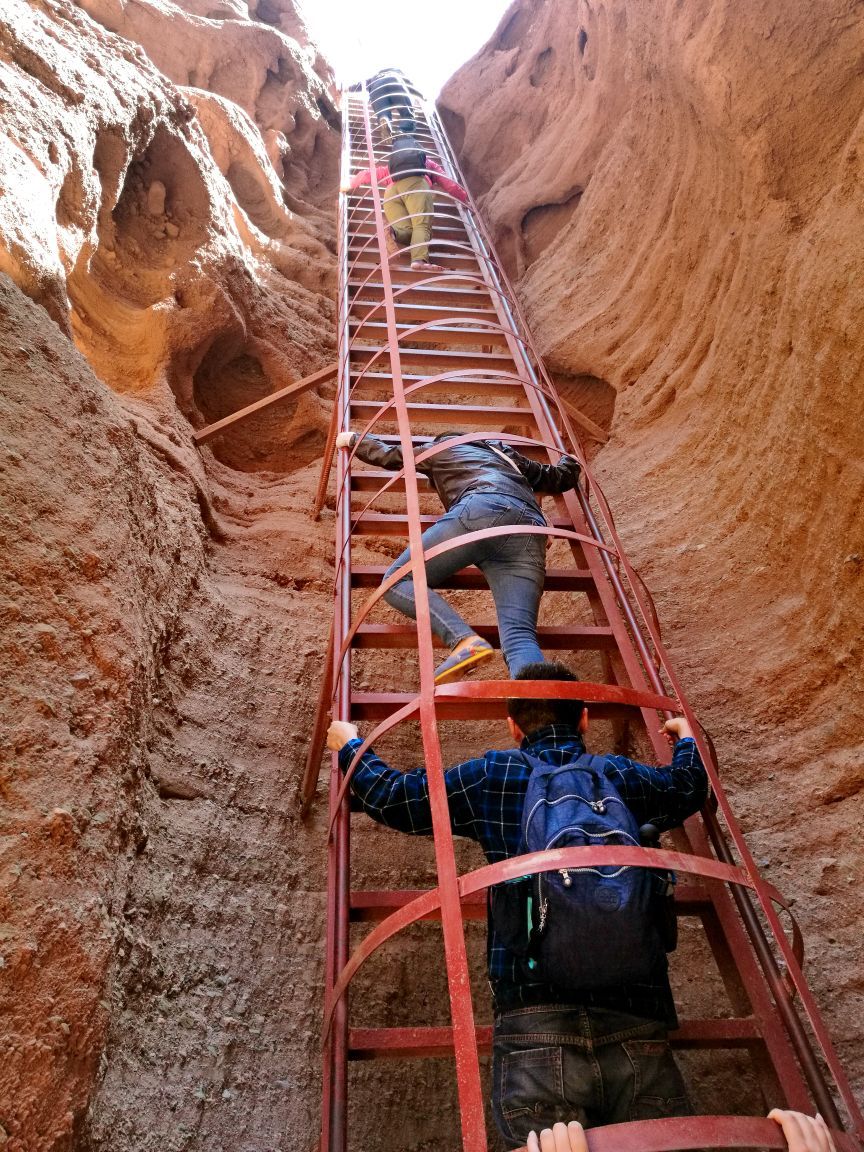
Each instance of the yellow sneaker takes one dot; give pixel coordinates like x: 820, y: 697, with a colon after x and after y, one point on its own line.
x: 468, y: 654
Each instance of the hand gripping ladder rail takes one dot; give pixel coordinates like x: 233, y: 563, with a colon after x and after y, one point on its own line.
x: 414, y: 336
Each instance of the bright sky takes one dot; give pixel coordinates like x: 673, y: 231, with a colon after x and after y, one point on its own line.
x: 428, y: 40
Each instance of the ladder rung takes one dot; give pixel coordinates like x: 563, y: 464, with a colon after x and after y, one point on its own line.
x: 558, y: 637
x: 396, y: 524
x: 441, y: 334
x: 402, y: 1043
x: 402, y: 274
x: 469, y: 383
x: 472, y: 579
x: 418, y: 313
x: 530, y: 450
x: 364, y: 233
x: 462, y: 416
x: 441, y: 222
x: 370, y: 906
x: 445, y: 292
x: 441, y: 359
x: 380, y: 705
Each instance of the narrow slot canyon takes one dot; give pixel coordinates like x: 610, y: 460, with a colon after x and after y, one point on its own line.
x: 675, y: 190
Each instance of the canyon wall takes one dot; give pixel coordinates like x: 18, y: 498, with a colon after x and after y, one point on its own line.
x: 167, y: 182
x: 678, y: 195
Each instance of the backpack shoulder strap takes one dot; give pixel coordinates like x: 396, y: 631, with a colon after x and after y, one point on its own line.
x: 591, y: 763
x: 585, y: 762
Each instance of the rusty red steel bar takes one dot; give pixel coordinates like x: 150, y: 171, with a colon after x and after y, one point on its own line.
x: 326, y: 464
x: 211, y: 430
x: 399, y: 1043
x: 587, y: 691
x: 467, y: 1063
x: 335, y: 1055
x: 693, y: 1132
x: 433, y: 450
x: 517, y: 866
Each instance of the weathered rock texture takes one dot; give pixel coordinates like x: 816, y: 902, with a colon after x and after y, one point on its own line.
x: 678, y: 193
x: 167, y: 180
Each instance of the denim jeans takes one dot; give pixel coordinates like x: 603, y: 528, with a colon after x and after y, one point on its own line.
x: 514, y: 567
x: 565, y: 1062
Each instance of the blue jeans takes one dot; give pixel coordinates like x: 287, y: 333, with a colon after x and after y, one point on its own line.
x: 566, y: 1062
x: 514, y: 567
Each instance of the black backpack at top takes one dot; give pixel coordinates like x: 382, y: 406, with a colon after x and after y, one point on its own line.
x: 582, y: 928
x: 406, y: 157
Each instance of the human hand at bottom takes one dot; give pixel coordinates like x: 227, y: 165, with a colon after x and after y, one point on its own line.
x: 803, y: 1133
x: 560, y: 1138
x: 339, y: 733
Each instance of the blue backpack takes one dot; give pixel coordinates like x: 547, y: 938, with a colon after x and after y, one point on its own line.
x: 582, y: 928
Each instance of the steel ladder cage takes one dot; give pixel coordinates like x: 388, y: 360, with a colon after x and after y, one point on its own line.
x: 634, y: 603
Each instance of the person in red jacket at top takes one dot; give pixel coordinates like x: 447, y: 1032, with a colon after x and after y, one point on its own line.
x: 409, y: 179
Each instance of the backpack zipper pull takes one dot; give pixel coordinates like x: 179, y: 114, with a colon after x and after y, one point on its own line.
x: 568, y: 879
x: 598, y: 806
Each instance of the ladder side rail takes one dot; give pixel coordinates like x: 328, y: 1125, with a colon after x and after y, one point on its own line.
x: 755, y: 931
x: 334, y: 1108
x: 467, y: 1061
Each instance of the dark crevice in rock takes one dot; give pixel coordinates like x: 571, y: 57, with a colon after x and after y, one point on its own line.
x: 541, y: 68
x: 513, y: 32
x: 279, y: 439
x: 541, y: 225
x: 593, y: 396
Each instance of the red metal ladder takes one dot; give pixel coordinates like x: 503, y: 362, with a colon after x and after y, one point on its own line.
x: 405, y: 340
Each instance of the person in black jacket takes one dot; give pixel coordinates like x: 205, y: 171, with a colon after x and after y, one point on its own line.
x: 390, y: 97
x: 483, y: 484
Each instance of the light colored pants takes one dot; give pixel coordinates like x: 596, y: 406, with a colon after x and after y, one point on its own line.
x: 412, y: 196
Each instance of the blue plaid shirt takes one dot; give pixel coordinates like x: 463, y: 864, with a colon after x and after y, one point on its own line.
x: 486, y: 797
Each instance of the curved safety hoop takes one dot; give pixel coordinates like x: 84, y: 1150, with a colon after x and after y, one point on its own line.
x: 427, y: 382
x: 457, y: 375
x: 681, y: 1133
x: 404, y: 713
x: 530, y: 864
x: 487, y: 327
x: 407, y: 335
x: 462, y: 276
x: 439, y: 243
x: 433, y: 450
x: 586, y: 690
x: 433, y: 325
x: 449, y: 546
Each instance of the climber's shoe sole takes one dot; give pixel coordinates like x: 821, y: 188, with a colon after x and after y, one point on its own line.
x: 462, y: 660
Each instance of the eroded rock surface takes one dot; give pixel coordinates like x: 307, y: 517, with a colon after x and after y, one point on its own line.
x: 167, y: 178
x: 678, y: 194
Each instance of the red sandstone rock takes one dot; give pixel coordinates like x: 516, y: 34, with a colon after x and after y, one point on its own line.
x: 151, y: 225
x: 676, y: 189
